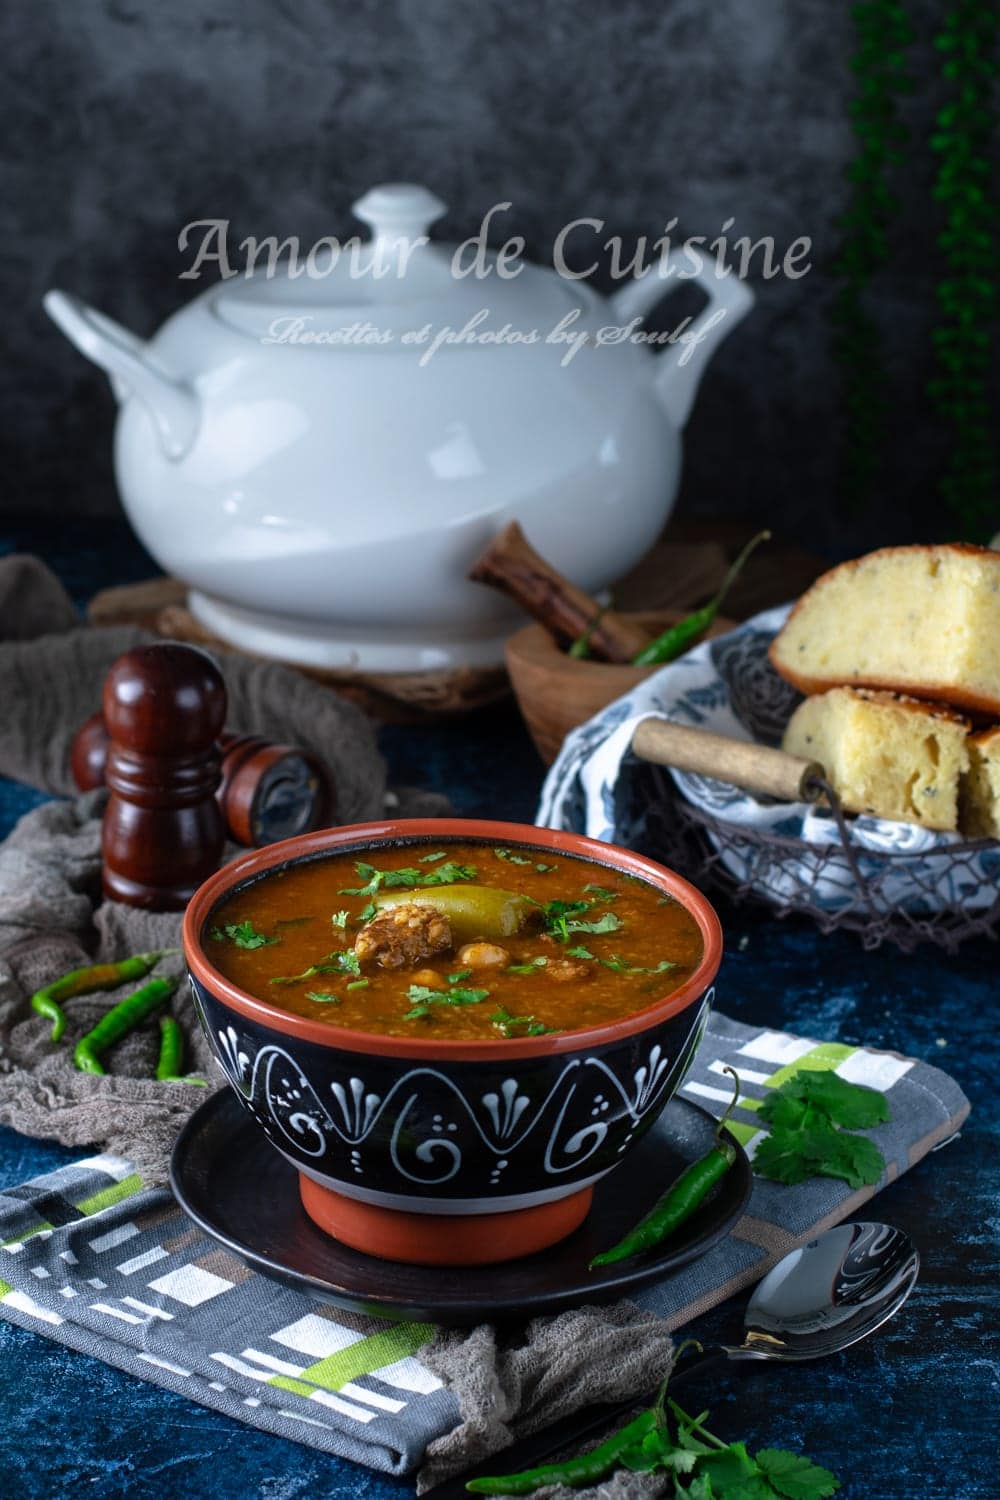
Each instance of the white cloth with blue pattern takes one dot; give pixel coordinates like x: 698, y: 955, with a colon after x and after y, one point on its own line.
x: 727, y: 685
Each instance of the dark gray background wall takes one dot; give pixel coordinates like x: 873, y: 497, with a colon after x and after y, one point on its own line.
x: 124, y: 119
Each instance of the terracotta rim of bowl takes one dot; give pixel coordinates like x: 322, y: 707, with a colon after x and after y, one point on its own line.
x: 258, y: 862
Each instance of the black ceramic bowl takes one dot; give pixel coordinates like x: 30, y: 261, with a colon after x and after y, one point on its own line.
x: 448, y: 1152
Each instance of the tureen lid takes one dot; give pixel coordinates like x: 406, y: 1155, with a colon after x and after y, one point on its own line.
x: 397, y: 280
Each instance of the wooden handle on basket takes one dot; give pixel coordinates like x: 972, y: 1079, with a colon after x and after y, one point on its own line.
x: 755, y: 768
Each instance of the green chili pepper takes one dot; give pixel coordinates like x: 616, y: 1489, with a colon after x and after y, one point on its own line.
x: 88, y: 981
x: 682, y: 1198
x: 473, y: 911
x: 677, y: 638
x: 119, y: 1021
x: 580, y: 649
x: 588, y: 1468
x: 168, y: 1067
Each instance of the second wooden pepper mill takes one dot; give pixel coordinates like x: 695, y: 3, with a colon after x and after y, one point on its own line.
x: 267, y: 792
x: 163, y: 833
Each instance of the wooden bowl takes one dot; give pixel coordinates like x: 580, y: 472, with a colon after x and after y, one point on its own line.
x: 555, y: 692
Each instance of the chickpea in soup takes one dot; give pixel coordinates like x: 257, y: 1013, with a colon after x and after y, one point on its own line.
x: 457, y: 941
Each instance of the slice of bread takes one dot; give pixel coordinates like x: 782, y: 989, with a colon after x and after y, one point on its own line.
x: 979, y: 797
x: 918, y: 620
x: 885, y: 754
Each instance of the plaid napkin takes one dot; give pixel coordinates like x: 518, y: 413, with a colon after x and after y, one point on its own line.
x: 91, y: 1257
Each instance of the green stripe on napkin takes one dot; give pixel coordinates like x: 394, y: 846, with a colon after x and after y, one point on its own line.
x: 362, y: 1358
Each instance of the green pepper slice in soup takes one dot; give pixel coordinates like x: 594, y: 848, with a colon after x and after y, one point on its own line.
x: 473, y: 911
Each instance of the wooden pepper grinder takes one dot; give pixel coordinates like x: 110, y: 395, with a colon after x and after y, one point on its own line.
x: 164, y: 707
x: 267, y: 791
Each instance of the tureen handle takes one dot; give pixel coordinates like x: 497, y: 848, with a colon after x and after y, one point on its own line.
x: 678, y: 370
x: 132, y: 368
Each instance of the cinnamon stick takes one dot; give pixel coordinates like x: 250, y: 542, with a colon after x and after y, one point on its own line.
x: 511, y: 564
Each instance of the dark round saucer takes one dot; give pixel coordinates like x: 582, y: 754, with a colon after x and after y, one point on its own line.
x: 232, y: 1182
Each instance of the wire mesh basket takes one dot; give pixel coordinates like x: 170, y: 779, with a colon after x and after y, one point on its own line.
x: 788, y: 874
x: 734, y: 812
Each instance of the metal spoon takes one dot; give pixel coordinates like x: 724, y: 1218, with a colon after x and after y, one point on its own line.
x: 821, y: 1298
x: 827, y: 1295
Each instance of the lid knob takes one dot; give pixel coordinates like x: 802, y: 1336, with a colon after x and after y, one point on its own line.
x: 398, y: 211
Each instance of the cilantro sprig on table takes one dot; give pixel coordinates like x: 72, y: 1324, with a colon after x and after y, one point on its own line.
x: 700, y: 1466
x: 812, y: 1119
x: 705, y: 1468
x: 243, y: 934
x: 408, y: 878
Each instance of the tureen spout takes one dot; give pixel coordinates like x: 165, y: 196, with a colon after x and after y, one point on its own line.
x: 133, y: 369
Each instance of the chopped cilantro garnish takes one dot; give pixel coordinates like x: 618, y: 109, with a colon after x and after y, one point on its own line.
x: 458, y: 976
x: 606, y: 923
x: 372, y: 880
x: 432, y: 859
x: 529, y: 967
x: 454, y: 995
x: 367, y: 912
x: 322, y: 997
x: 602, y: 892
x: 565, y: 917
x: 557, y: 914
x: 422, y: 997
x: 510, y: 858
x: 622, y: 966
x: 359, y: 984
x: 339, y: 918
x: 511, y: 1026
x: 307, y: 973
x: 346, y: 962
x: 407, y: 879
x: 243, y: 934
x: 579, y: 952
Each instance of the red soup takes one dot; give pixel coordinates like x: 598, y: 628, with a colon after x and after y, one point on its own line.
x: 456, y: 941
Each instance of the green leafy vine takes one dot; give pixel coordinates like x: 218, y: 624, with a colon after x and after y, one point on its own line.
x: 966, y: 296
x: 882, y: 33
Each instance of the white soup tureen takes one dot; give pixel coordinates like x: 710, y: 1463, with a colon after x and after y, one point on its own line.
x: 321, y: 458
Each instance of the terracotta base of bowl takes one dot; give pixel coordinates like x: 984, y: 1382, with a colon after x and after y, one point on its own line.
x: 442, y: 1239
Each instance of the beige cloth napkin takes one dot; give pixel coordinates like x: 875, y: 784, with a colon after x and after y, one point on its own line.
x: 52, y: 915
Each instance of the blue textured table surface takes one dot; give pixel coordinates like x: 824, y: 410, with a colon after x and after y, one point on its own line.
x: 910, y: 1413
